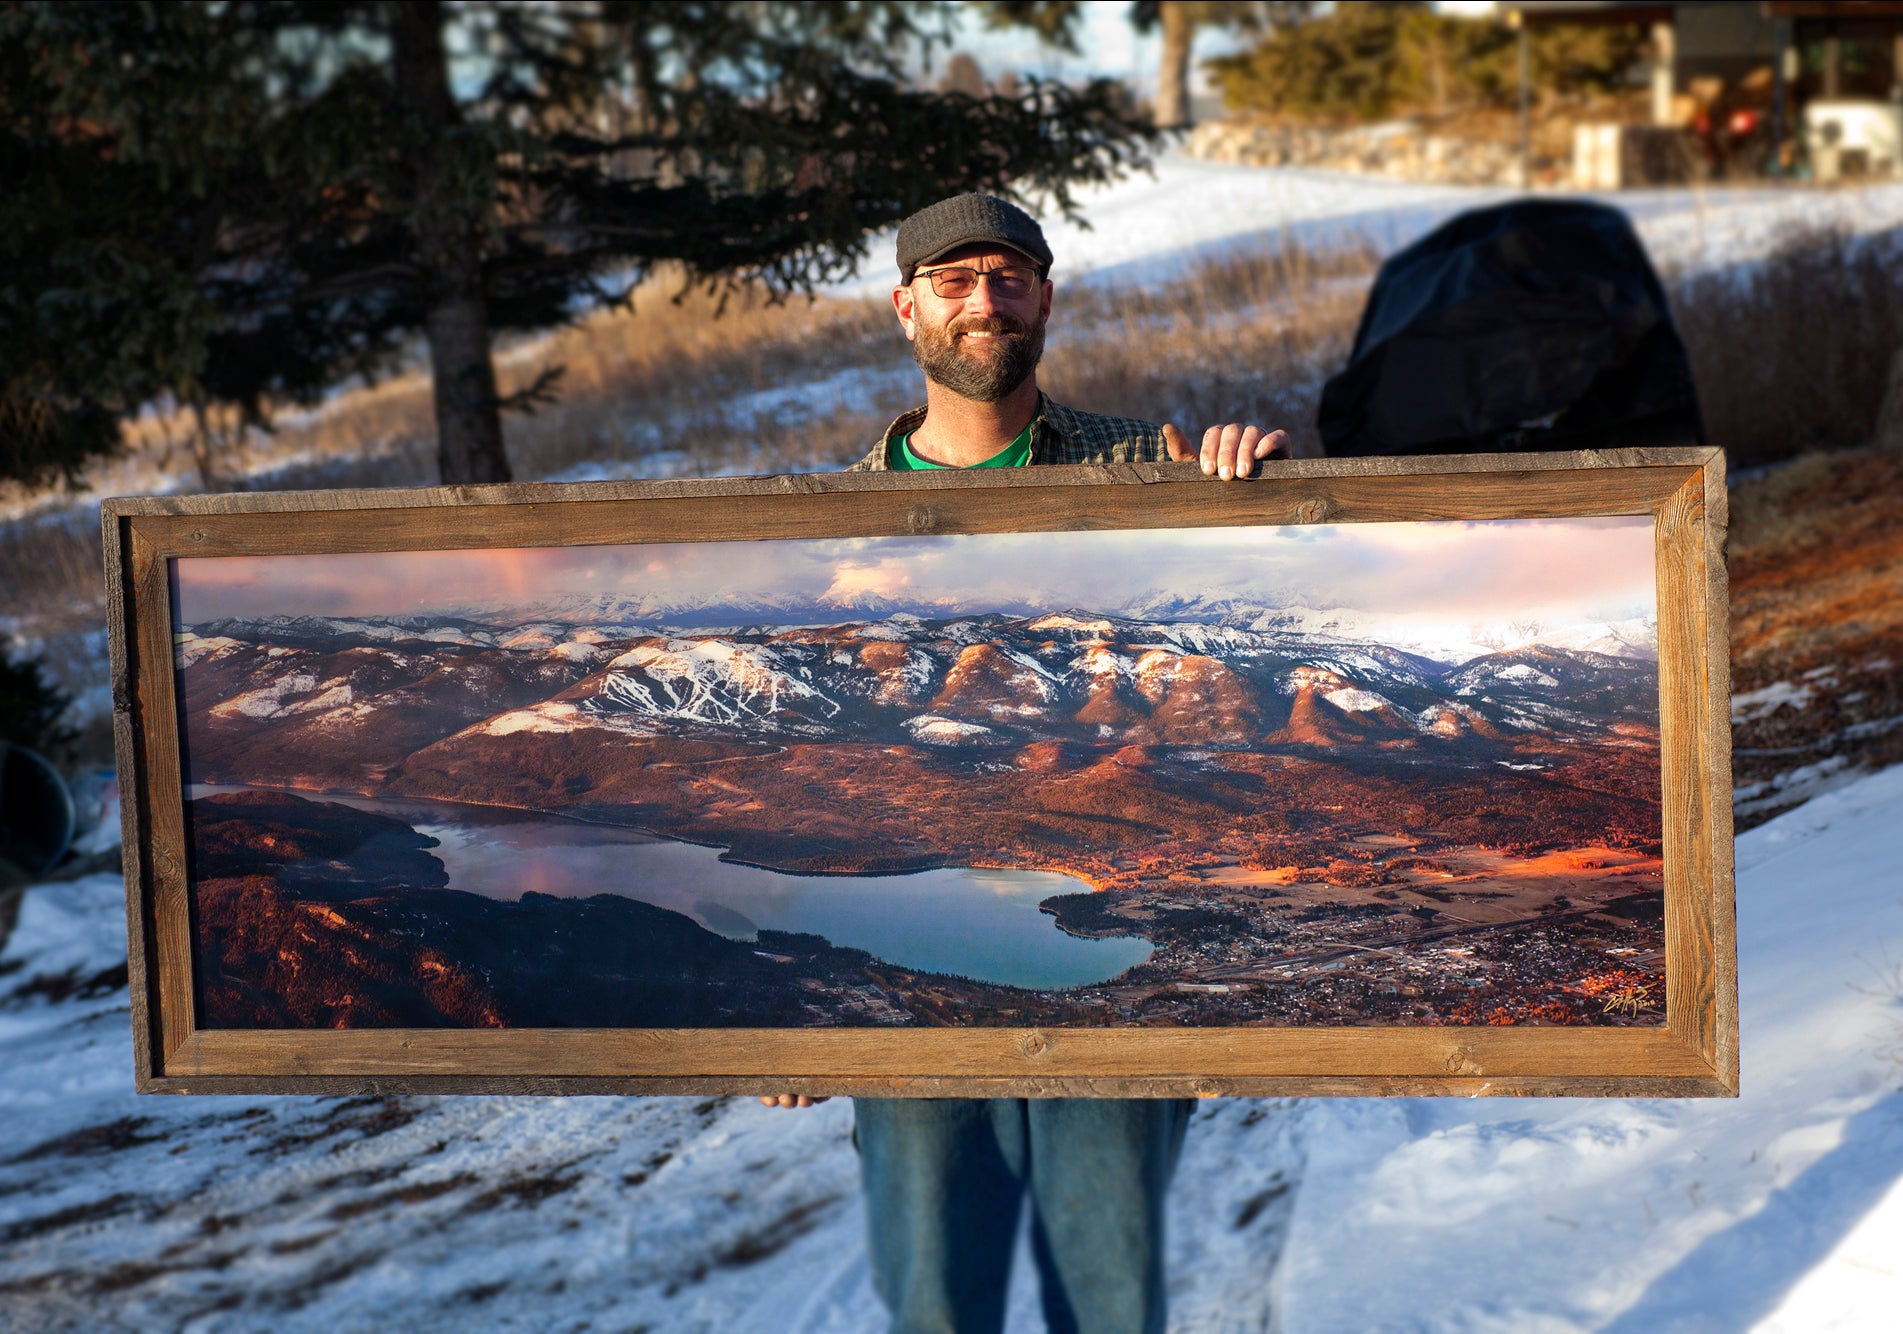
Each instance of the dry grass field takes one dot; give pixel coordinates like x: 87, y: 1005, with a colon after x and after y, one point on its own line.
x: 1794, y: 355
x: 683, y: 383
x: 1816, y: 561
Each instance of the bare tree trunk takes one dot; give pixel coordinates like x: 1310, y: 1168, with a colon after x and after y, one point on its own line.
x: 1172, y: 80
x: 449, y: 256
x: 203, y: 447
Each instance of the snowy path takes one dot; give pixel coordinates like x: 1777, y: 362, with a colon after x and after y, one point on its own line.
x: 1781, y: 1210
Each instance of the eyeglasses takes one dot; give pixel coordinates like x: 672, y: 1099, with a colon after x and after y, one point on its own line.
x: 1010, y: 282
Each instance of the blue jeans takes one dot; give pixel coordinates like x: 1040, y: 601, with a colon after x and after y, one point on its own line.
x: 945, y: 1180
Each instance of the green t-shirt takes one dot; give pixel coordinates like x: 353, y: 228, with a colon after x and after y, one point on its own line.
x: 900, y: 457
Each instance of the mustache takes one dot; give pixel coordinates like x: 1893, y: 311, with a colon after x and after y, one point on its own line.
x: 992, y: 324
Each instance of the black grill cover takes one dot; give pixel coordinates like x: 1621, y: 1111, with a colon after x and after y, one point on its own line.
x: 1533, y: 325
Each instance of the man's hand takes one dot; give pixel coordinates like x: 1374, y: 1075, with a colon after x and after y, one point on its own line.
x: 1228, y: 451
x: 789, y: 1100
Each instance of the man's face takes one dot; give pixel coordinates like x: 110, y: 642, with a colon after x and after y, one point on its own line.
x: 982, y: 346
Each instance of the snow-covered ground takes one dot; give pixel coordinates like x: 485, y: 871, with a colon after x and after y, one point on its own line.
x: 1779, y: 1211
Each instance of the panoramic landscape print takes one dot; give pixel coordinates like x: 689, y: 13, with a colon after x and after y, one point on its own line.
x: 1355, y: 774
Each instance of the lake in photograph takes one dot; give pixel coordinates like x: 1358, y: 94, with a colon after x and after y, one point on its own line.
x: 973, y: 922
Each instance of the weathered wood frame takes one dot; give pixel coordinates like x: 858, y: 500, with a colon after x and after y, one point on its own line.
x: 1695, y: 1053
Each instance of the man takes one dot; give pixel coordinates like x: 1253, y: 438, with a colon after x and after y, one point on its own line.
x: 945, y: 1178
x: 974, y: 296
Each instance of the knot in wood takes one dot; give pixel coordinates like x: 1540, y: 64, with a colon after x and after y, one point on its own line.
x: 1312, y: 510
x: 1032, y: 1044
x: 1460, y: 1061
x: 167, y: 869
x: 919, y: 519
x: 200, y: 535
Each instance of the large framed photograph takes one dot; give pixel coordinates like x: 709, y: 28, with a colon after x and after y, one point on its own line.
x: 1369, y: 777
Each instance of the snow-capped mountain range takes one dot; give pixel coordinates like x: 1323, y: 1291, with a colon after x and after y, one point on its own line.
x: 989, y: 680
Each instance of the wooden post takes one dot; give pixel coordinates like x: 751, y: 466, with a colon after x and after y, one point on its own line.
x: 1172, y: 82
x: 1664, y: 70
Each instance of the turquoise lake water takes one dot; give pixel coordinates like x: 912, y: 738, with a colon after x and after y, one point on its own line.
x: 983, y: 924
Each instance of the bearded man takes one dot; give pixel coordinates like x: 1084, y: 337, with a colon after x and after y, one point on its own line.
x: 974, y: 297
x: 945, y: 1178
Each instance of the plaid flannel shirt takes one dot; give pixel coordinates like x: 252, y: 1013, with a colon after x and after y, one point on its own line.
x: 1058, y: 435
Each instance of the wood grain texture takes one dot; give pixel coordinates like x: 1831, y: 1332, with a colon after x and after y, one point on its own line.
x: 1720, y: 884
x: 141, y: 975
x: 1694, y: 691
x: 1471, y: 467
x: 161, y: 797
x: 1189, y: 501
x: 771, y: 1054
x: 922, y: 1086
x: 1682, y: 667
x: 1694, y: 1055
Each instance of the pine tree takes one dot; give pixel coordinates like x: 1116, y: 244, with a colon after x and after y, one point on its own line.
x: 245, y: 202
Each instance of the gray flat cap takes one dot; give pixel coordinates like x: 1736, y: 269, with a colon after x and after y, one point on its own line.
x: 938, y: 229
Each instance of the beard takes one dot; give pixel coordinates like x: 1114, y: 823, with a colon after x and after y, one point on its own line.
x: 983, y: 370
